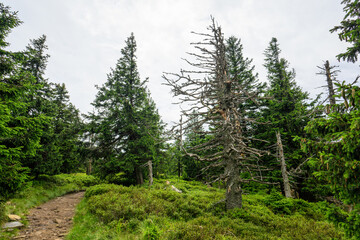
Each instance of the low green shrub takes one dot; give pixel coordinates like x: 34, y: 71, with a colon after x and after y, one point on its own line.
x: 131, y: 225
x: 350, y: 222
x: 111, y: 202
x: 80, y: 179
x: 352, y: 228
x: 88, y: 227
x: 104, y: 188
x: 151, y: 231
x: 117, y: 178
x: 198, y: 212
x: 288, y: 206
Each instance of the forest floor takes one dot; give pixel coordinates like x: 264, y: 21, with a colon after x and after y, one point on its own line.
x: 51, y: 220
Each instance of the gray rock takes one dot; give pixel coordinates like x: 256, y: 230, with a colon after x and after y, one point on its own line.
x: 12, y: 225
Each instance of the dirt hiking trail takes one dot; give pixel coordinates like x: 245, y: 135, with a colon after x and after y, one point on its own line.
x: 51, y: 220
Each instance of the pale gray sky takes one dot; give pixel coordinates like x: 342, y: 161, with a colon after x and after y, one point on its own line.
x: 85, y: 38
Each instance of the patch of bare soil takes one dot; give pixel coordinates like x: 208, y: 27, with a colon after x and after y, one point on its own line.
x: 51, y: 220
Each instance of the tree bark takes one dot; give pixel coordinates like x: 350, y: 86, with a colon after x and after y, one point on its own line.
x: 139, y: 175
x: 233, y: 187
x: 330, y: 83
x: 151, y: 180
x: 180, y: 148
x: 287, y: 188
x: 89, y: 167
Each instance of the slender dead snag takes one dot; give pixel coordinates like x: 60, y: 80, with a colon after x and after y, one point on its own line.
x: 139, y: 175
x: 180, y: 145
x: 151, y: 180
x: 287, y: 188
x: 330, y: 74
x: 90, y: 158
x: 210, y: 101
x: 89, y: 166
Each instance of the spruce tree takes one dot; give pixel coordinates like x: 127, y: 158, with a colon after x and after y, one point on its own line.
x: 47, y: 159
x: 67, y: 125
x: 240, y: 69
x: 19, y: 132
x: 286, y: 110
x: 60, y: 138
x: 194, y: 135
x: 125, y: 124
x: 333, y: 140
x: 349, y: 30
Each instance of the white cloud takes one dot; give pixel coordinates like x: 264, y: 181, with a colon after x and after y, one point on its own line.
x: 85, y: 38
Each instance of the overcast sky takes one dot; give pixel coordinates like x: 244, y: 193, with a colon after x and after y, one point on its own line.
x: 85, y: 38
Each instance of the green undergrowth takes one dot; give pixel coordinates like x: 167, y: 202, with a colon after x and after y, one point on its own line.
x: 116, y: 212
x: 42, y: 190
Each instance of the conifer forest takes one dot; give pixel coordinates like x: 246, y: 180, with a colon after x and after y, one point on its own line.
x: 249, y: 156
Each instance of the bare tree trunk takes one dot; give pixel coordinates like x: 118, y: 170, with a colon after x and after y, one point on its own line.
x: 287, y: 189
x: 330, y: 73
x: 233, y: 187
x: 151, y: 180
x: 139, y: 175
x: 91, y: 147
x: 180, y: 148
x: 89, y: 167
x: 330, y: 83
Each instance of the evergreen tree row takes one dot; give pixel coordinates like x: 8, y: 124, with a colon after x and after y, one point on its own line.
x: 39, y: 127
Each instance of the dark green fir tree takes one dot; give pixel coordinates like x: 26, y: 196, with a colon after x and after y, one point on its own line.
x: 333, y: 141
x: 286, y: 111
x: 67, y: 125
x: 19, y: 131
x: 60, y: 138
x: 47, y: 159
x: 125, y: 125
x: 349, y: 30
x: 240, y: 69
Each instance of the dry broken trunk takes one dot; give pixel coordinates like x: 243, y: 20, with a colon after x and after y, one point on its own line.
x: 139, y: 175
x: 330, y: 74
x: 151, y: 180
x: 233, y: 186
x: 330, y: 83
x: 284, y: 173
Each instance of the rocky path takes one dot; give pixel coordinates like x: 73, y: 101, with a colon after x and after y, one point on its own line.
x: 51, y: 220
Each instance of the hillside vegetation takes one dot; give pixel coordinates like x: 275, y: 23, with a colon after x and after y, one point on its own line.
x: 116, y: 212
x: 256, y: 138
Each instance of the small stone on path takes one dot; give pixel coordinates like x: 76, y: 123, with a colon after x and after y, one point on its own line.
x: 12, y: 225
x: 14, y: 217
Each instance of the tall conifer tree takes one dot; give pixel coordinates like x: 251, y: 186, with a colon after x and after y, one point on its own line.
x: 286, y: 108
x: 19, y: 132
x: 240, y: 69
x: 349, y: 30
x: 125, y: 122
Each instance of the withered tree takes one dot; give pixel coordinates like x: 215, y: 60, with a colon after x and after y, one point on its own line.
x: 210, y: 99
x: 330, y: 73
